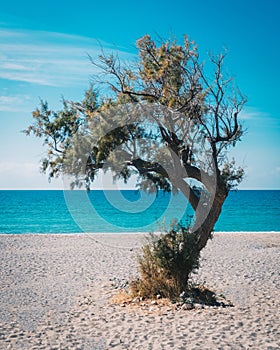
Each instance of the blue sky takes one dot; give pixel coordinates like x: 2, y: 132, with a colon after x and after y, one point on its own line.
x: 43, y: 53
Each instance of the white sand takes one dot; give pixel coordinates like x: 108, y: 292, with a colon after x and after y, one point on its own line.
x: 55, y: 294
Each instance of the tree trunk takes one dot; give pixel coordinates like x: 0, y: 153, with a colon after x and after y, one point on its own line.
x: 205, y: 229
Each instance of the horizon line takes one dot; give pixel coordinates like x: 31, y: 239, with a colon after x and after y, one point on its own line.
x: 117, y: 189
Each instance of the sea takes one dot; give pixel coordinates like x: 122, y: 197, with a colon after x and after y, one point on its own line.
x: 58, y: 211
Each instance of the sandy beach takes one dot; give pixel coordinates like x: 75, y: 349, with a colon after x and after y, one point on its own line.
x: 56, y: 293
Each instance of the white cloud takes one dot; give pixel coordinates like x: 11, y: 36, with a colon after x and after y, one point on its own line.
x: 23, y: 168
x: 249, y: 113
x: 17, y: 175
x: 14, y: 66
x: 52, y: 59
x: 44, y: 59
x: 16, y: 103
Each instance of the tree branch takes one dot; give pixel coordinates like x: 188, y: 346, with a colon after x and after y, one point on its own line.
x: 144, y: 167
x: 188, y: 192
x: 230, y: 134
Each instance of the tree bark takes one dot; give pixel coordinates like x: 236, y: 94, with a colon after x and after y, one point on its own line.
x: 205, y: 231
x: 204, y: 225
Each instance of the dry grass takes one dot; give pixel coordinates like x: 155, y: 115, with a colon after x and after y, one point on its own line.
x: 121, y: 297
x: 155, y: 306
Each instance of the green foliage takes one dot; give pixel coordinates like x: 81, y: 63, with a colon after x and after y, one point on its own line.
x: 162, y: 68
x: 58, y: 128
x: 166, y: 263
x: 191, y: 123
x: 231, y: 174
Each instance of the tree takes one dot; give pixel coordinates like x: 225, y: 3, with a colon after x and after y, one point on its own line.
x: 166, y: 117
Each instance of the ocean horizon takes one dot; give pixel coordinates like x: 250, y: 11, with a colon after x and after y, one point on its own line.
x: 58, y: 211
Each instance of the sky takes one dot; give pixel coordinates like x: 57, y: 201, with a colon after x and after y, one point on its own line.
x: 43, y: 54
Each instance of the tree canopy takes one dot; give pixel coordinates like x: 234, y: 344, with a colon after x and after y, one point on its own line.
x: 167, y: 118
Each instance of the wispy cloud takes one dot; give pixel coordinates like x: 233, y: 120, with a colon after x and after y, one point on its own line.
x: 250, y: 113
x: 16, y: 103
x: 52, y: 59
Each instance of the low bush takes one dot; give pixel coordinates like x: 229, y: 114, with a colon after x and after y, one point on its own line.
x: 166, y: 262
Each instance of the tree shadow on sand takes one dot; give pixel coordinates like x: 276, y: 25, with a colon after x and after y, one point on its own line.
x: 199, y: 295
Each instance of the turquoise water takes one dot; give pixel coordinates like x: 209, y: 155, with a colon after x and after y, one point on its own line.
x: 127, y: 211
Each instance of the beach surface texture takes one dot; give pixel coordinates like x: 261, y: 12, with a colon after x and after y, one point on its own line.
x: 56, y: 293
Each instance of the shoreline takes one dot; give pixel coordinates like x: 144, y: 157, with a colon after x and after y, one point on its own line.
x: 124, y: 233
x: 56, y: 292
